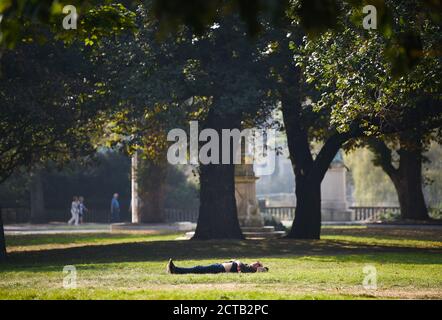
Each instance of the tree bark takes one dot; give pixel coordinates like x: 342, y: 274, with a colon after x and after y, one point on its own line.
x: 406, y: 178
x: 151, y: 185
x: 409, y: 186
x: 307, y: 222
x: 218, y: 216
x: 2, y: 239
x: 309, y: 172
x: 38, y: 212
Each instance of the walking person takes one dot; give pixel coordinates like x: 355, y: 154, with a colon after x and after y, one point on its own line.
x: 75, y: 211
x: 82, y: 209
x: 115, y: 209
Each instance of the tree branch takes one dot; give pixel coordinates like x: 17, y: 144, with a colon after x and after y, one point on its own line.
x: 383, y: 156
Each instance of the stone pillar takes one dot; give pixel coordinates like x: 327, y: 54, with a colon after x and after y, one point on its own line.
x: 245, y: 194
x: 134, y: 189
x: 334, y: 189
x: 333, y: 192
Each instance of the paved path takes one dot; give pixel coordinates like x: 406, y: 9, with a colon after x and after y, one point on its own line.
x: 53, y: 228
x: 56, y: 228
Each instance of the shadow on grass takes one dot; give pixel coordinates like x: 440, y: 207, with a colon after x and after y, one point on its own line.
x: 213, y: 250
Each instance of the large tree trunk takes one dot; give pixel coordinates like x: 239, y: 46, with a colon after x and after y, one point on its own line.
x: 2, y: 239
x: 218, y: 216
x: 152, y: 201
x: 38, y: 212
x: 407, y: 178
x: 309, y: 172
x: 409, y: 186
x: 307, y: 222
x: 151, y: 185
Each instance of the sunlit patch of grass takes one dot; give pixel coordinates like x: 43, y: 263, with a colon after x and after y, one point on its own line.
x: 382, y: 241
x: 172, y: 294
x: 397, y: 237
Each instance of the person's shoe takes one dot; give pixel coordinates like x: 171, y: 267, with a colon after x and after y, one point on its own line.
x: 170, y: 267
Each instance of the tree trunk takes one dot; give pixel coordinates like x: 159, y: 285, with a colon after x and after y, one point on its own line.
x: 408, y: 184
x: 2, y: 239
x: 38, y: 212
x: 309, y: 172
x: 151, y: 184
x: 307, y: 222
x: 407, y: 178
x: 218, y: 216
x: 152, y: 203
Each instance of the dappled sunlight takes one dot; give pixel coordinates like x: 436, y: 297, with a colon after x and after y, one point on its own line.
x: 121, y: 248
x: 135, y: 268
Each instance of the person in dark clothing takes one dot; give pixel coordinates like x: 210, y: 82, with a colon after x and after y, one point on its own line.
x: 230, y: 266
x: 82, y: 209
x: 115, y: 209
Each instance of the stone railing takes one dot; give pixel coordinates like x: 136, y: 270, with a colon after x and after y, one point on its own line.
x: 372, y: 213
x: 178, y: 215
x: 286, y: 213
x: 281, y: 213
x: 360, y: 213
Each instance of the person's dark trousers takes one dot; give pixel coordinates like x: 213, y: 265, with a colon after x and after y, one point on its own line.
x: 213, y: 268
x: 115, y: 217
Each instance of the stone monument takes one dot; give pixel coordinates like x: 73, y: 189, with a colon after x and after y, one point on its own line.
x: 250, y: 218
x: 334, y: 193
x: 245, y: 194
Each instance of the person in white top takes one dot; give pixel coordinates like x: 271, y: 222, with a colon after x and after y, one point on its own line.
x: 75, y: 211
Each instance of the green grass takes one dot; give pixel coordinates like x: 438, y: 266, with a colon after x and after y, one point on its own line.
x: 132, y: 266
x: 38, y: 242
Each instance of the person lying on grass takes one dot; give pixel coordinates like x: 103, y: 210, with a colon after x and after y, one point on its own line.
x: 230, y: 266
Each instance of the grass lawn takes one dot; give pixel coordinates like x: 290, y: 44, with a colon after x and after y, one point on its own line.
x: 132, y: 266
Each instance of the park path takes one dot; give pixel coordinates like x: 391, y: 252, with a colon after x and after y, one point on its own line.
x: 63, y: 228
